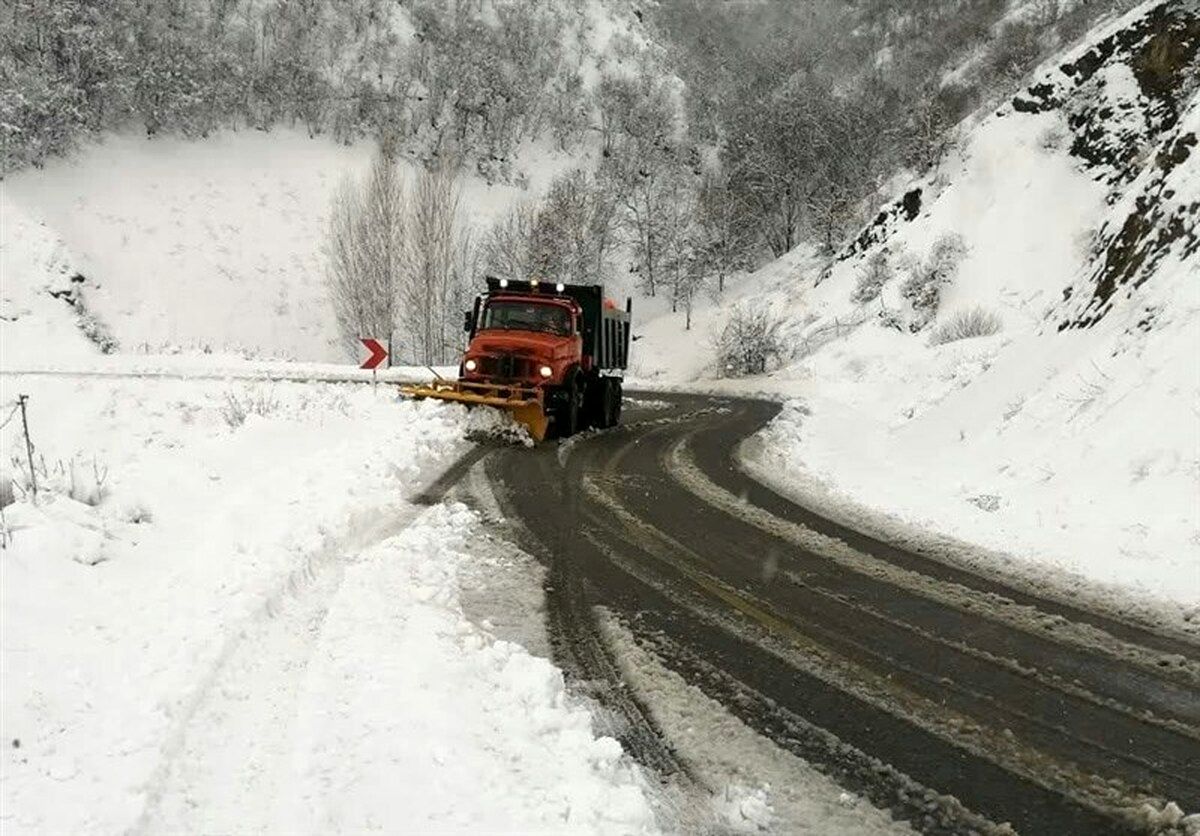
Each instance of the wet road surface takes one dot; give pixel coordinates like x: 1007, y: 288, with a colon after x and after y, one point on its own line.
x: 951, y: 697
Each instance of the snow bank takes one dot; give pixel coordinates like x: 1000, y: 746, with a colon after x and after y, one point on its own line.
x: 115, y: 613
x: 413, y: 717
x: 39, y: 313
x: 176, y: 521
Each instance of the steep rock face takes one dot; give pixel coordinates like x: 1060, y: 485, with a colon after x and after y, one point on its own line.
x: 1123, y: 108
x: 1152, y: 227
x: 1124, y: 90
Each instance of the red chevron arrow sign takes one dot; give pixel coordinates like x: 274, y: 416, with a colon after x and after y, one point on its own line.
x: 378, y: 352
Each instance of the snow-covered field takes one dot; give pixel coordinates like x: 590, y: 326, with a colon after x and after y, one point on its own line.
x: 189, y: 573
x: 1067, y: 442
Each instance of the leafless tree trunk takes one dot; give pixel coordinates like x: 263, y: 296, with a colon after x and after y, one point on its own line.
x: 507, y: 248
x: 429, y: 255
x: 365, y: 250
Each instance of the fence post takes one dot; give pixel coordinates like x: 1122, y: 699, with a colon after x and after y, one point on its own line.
x: 21, y: 399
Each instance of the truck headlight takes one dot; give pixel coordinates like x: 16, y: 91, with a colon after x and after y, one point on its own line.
x: 546, y: 371
x: 470, y: 365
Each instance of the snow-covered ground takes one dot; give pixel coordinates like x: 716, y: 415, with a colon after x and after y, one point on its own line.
x: 1070, y: 440
x: 224, y: 594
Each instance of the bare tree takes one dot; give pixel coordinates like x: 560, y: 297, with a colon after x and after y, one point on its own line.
x: 724, y: 228
x: 507, y: 247
x: 928, y: 137
x: 682, y: 268
x: 466, y: 269
x: 749, y: 343
x: 365, y: 252
x: 573, y: 234
x: 428, y: 288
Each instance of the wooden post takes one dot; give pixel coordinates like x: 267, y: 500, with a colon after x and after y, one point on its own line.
x: 21, y: 399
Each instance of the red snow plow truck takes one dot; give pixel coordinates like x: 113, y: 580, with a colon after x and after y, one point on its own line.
x: 551, y: 354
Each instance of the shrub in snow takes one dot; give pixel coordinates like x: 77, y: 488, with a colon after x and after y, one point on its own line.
x: 96, y: 331
x: 1052, y: 138
x: 891, y: 319
x: 985, y: 502
x: 1015, y: 50
x: 973, y: 322
x: 137, y: 512
x: 87, y: 481
x: 237, y: 408
x: 877, y: 273
x: 923, y: 287
x: 84, y: 480
x: 749, y: 343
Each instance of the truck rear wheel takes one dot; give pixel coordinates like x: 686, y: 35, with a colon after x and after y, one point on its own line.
x: 614, y: 416
x: 604, y: 416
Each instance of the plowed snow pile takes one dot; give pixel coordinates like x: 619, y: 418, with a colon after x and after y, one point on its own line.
x: 1070, y: 436
x: 216, y: 618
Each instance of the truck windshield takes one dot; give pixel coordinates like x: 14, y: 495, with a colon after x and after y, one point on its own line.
x: 527, y: 316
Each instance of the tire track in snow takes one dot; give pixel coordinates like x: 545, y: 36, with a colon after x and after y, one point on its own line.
x: 246, y: 719
x: 1167, y: 681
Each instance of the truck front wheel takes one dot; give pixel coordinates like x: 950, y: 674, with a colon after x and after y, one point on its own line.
x: 569, y: 413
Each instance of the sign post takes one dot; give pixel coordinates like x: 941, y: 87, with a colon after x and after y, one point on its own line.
x: 378, y: 355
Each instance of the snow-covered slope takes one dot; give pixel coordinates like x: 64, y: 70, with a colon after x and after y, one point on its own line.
x: 1071, y: 437
x: 213, y: 245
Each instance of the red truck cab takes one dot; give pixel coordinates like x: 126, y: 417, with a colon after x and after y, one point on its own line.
x: 562, y: 340
x: 524, y: 339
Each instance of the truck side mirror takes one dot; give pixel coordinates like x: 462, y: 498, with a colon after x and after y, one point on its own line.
x: 468, y: 320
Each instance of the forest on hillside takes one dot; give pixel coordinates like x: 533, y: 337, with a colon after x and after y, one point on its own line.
x: 711, y: 136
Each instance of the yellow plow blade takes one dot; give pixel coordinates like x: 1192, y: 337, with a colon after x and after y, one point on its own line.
x: 534, y: 418
x: 523, y: 403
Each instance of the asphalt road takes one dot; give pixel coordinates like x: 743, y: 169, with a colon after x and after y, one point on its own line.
x: 952, y: 698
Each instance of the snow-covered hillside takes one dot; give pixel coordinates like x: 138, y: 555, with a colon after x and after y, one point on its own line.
x: 1069, y: 438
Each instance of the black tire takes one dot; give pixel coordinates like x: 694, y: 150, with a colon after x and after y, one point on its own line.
x: 615, y: 416
x: 608, y: 403
x: 571, y: 412
x: 592, y: 402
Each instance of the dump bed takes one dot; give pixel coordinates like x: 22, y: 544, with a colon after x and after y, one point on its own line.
x: 606, y: 328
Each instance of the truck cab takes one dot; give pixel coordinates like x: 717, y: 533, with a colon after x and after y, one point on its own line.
x: 528, y: 339
x: 564, y: 341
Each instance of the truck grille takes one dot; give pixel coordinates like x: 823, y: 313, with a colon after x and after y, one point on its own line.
x: 507, y: 366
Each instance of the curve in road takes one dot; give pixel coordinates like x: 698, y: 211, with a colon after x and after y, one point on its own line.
x: 951, y: 697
